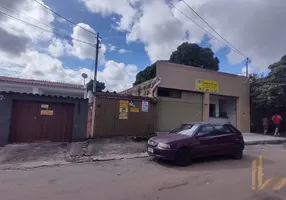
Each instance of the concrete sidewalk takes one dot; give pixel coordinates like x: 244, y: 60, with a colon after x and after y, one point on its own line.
x: 253, y: 139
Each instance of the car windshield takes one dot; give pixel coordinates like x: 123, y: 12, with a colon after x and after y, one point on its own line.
x: 186, y: 129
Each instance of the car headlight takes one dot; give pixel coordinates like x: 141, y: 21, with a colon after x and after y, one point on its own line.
x: 163, y: 146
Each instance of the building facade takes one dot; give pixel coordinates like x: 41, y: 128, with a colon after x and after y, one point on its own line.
x: 187, y: 94
x: 28, y: 118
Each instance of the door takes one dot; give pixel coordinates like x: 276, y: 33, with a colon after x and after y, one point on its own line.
x: 41, y: 121
x: 205, y: 141
x: 225, y: 139
x: 175, y: 111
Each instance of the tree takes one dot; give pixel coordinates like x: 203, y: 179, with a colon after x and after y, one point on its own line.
x: 147, y: 74
x: 99, y: 86
x: 270, y: 91
x: 186, y: 54
x: 196, y: 56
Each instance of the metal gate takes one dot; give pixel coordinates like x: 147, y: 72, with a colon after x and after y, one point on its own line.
x: 41, y: 121
x: 137, y: 123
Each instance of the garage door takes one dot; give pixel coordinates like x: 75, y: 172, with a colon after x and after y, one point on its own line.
x: 40, y: 121
x: 172, y: 111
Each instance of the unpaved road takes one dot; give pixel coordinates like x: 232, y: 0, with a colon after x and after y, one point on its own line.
x: 138, y: 179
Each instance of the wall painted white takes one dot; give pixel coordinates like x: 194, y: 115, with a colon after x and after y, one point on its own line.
x: 38, y: 89
x: 230, y: 109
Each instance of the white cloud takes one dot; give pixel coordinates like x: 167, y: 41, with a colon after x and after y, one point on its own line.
x: 124, y: 8
x: 35, y: 65
x: 254, y: 27
x: 28, y: 11
x: 111, y: 47
x: 19, y: 56
x: 122, y: 51
x: 16, y: 36
x: 118, y: 76
x: 61, y: 20
x: 58, y: 47
x: 82, y: 50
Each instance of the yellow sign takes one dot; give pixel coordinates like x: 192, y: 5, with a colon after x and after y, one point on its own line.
x: 258, y: 183
x: 206, y: 85
x: 123, y: 115
x: 123, y: 106
x: 47, y: 112
x: 135, y: 110
x: 123, y: 109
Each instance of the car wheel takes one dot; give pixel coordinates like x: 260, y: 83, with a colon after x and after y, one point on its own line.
x: 238, y: 153
x: 183, y: 157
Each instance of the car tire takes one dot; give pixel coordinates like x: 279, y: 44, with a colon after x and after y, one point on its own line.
x: 238, y: 153
x: 183, y: 157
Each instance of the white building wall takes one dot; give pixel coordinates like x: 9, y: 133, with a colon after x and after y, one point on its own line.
x: 34, y: 89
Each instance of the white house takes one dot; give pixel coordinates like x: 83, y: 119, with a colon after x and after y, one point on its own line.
x: 41, y: 87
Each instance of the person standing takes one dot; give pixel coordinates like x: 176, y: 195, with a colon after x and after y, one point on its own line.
x: 265, y: 123
x: 276, y: 119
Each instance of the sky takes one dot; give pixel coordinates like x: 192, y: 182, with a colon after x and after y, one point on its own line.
x: 134, y: 34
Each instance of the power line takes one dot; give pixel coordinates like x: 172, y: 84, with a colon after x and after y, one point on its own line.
x: 172, y: 5
x: 46, y: 7
x: 66, y: 37
x: 213, y: 28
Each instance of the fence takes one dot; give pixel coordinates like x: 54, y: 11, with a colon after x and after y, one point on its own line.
x: 120, y: 115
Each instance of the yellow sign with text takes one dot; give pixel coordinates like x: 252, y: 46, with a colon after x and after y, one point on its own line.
x: 47, y: 112
x: 258, y: 183
x: 134, y: 110
x: 206, y: 85
x: 123, y: 106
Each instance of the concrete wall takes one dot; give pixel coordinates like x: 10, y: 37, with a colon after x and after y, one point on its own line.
x: 6, y: 103
x: 183, y: 77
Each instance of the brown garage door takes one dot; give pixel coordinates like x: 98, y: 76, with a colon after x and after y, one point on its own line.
x: 40, y: 121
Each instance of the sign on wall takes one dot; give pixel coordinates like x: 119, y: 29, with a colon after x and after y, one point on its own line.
x: 123, y: 109
x: 206, y: 85
x: 47, y: 112
x: 145, y: 106
x: 134, y: 110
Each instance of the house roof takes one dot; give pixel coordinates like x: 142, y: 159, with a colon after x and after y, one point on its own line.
x: 39, y: 82
x: 38, y: 95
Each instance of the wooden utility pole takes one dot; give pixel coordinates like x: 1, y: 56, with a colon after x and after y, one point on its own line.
x: 96, y: 63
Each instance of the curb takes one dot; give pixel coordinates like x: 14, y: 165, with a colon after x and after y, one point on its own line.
x: 265, y: 142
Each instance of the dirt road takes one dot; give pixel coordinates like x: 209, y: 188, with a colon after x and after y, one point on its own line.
x: 144, y: 179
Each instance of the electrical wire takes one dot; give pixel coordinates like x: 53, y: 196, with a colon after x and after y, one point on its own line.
x: 23, y: 15
x: 73, y: 23
x: 172, y: 5
x: 50, y: 31
x: 213, y: 28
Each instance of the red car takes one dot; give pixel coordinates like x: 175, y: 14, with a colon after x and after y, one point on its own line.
x: 192, y: 140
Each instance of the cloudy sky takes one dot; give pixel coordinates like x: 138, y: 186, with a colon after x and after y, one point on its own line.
x: 134, y: 33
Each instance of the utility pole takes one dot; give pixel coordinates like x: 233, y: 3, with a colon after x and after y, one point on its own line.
x: 246, y: 66
x: 96, y: 63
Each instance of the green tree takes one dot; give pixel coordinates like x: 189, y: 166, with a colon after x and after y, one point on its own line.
x: 146, y: 74
x: 99, y: 86
x: 186, y: 54
x: 196, y: 56
x: 270, y: 91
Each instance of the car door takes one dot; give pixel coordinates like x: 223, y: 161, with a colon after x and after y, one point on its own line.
x: 225, y: 139
x: 205, y: 141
